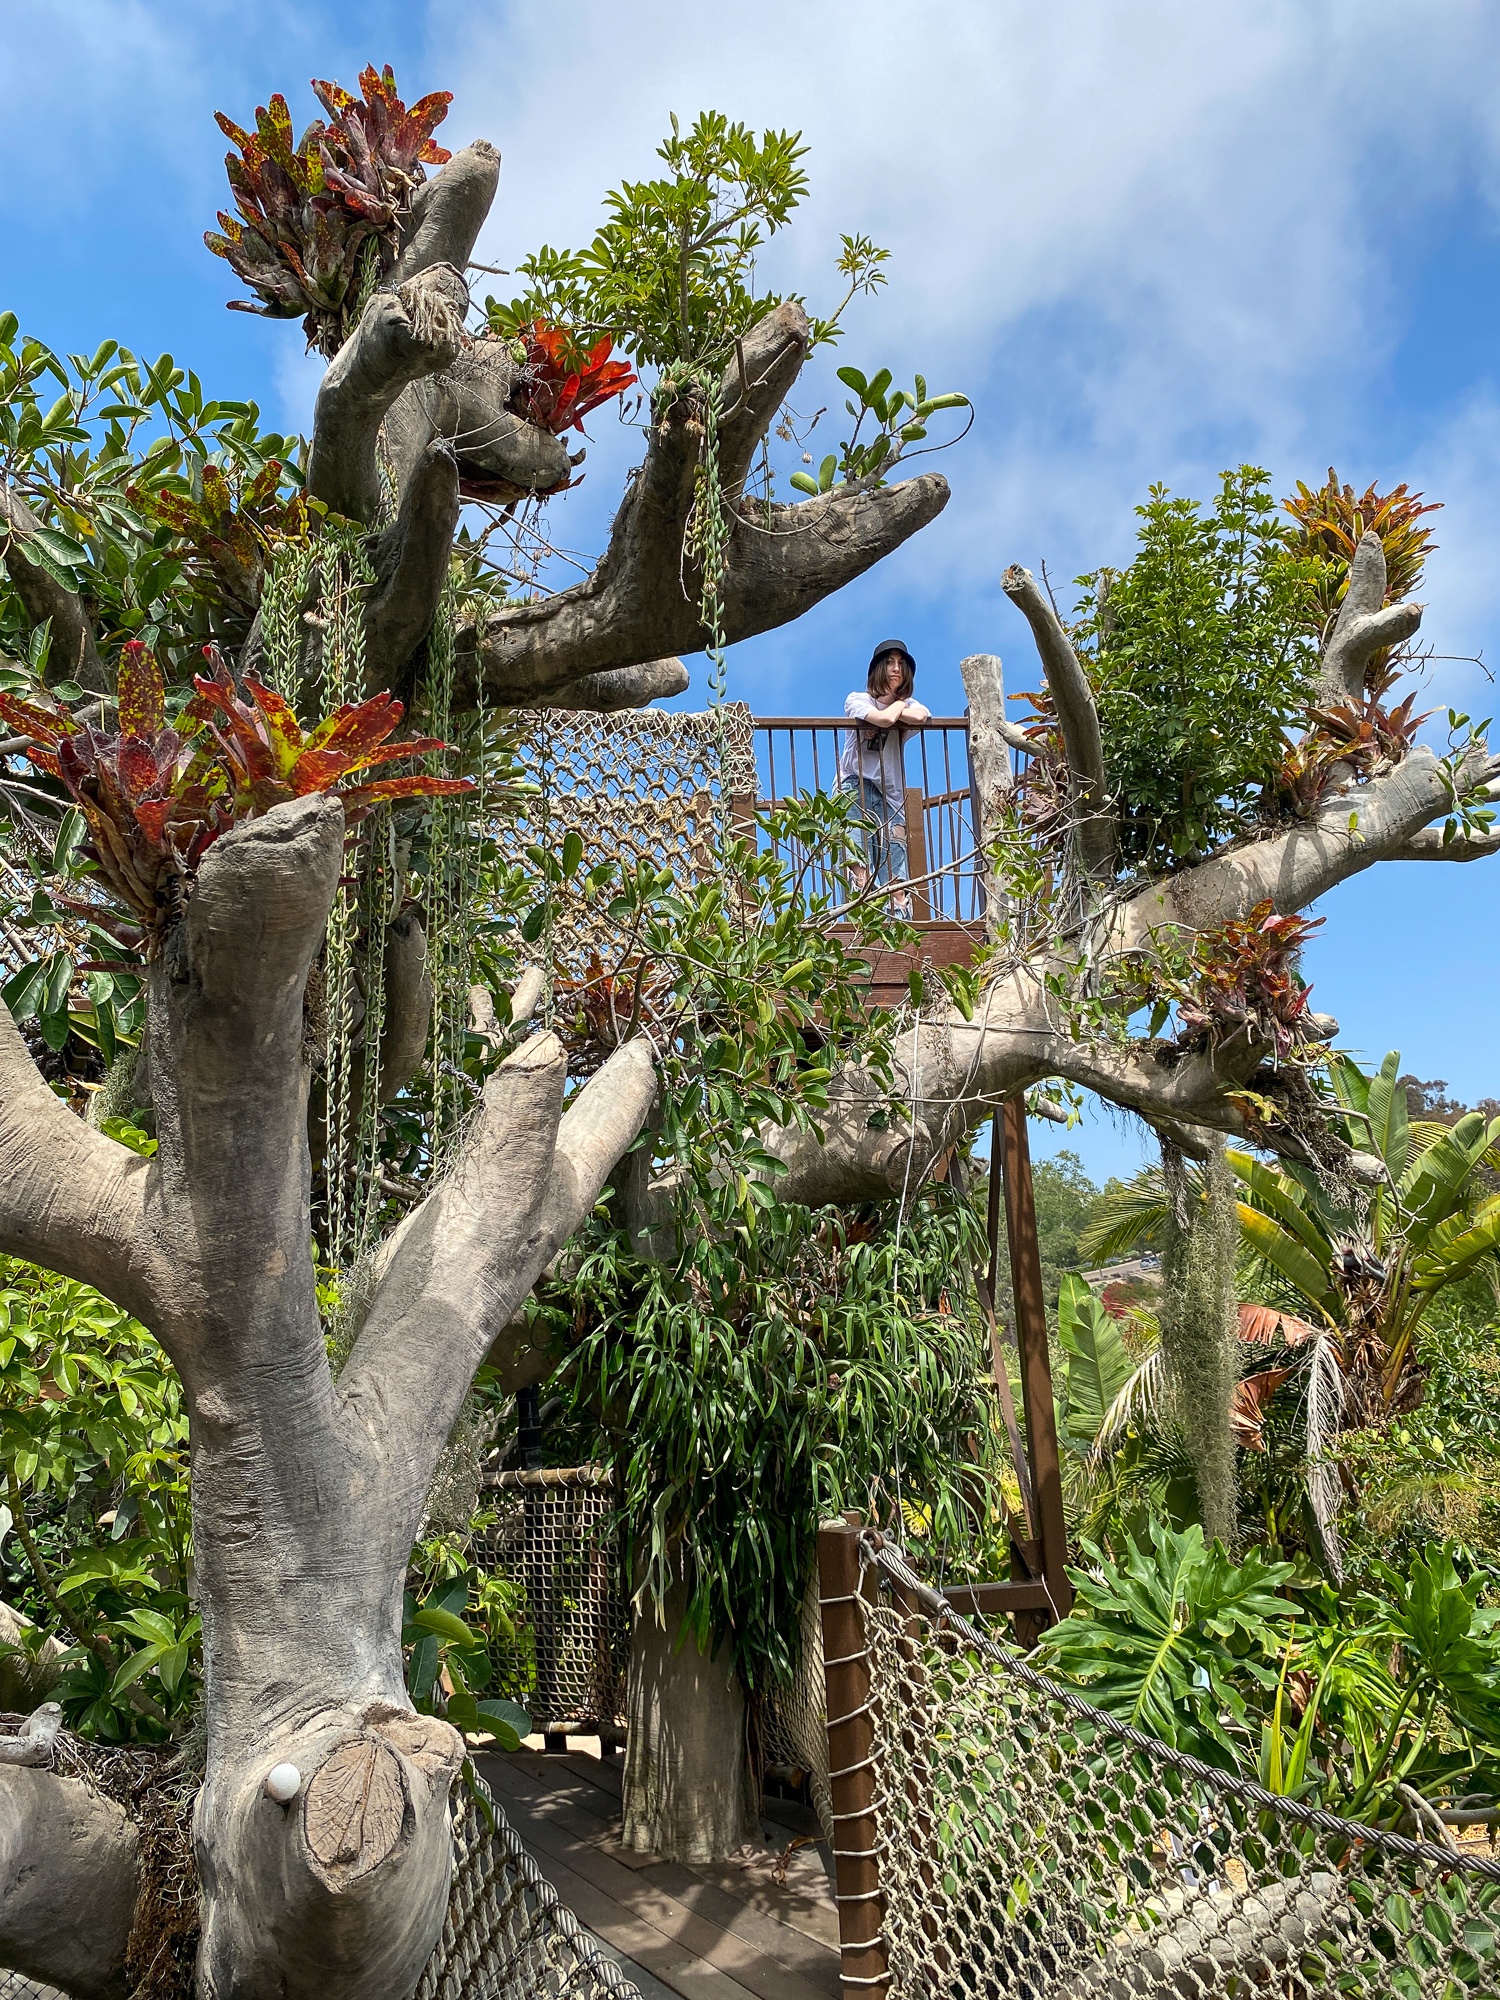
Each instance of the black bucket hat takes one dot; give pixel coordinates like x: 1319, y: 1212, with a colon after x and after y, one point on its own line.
x: 893, y: 646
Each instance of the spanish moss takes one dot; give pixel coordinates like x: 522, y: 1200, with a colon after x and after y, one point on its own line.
x: 1198, y: 1336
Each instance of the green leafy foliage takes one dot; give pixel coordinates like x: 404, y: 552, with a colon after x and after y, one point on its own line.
x: 1201, y: 657
x: 670, y: 274
x: 97, y: 445
x: 765, y: 1376
x: 1099, y: 1363
x: 93, y: 1438
x: 1172, y: 1635
x: 448, y: 1668
x: 900, y: 419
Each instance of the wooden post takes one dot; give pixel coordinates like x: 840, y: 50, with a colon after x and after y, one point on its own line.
x: 864, y: 1967
x: 916, y: 854
x: 1036, y: 1371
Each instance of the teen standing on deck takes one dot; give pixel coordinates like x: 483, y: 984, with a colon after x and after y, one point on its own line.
x: 872, y: 764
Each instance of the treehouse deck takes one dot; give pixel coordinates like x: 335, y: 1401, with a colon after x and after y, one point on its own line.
x: 797, y: 755
x: 763, y: 1926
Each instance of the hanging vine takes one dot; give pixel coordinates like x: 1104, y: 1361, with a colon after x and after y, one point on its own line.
x: 455, y: 834
x: 345, y: 575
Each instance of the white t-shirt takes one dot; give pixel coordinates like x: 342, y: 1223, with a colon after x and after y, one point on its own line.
x: 877, y: 753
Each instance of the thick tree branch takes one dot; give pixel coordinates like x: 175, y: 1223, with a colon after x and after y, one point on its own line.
x: 410, y: 561
x: 402, y: 336
x: 70, y: 1199
x: 1078, y: 719
x: 69, y: 1863
x: 448, y: 212
x: 991, y: 739
x: 1364, y: 625
x: 640, y: 603
x: 229, y: 1083
x: 1352, y: 829
x: 466, y: 1259
x: 1429, y: 845
x: 74, y: 656
x: 624, y: 687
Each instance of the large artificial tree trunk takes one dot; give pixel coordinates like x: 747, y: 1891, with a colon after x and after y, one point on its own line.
x: 686, y: 1789
x: 307, y: 1492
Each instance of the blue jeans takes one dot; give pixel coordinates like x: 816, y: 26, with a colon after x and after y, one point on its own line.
x: 884, y: 829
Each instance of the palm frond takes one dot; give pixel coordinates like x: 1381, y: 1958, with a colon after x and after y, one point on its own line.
x: 1325, y: 1410
x: 1141, y: 1402
x: 1126, y: 1218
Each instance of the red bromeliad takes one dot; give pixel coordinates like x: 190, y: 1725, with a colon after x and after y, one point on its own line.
x: 312, y: 212
x: 155, y: 797
x: 560, y: 384
x: 1243, y: 977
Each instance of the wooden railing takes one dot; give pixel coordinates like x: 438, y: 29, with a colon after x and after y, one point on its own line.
x: 799, y: 754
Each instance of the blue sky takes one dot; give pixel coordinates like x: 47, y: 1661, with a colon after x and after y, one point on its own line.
x: 1149, y: 241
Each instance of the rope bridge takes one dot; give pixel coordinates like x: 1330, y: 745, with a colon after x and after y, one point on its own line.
x: 997, y: 1836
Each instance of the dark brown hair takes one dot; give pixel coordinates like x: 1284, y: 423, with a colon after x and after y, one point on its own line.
x: 877, y: 671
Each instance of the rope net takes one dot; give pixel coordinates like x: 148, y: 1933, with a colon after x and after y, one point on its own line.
x: 794, y: 1714
x: 645, y: 784
x: 557, y: 1536
x: 507, y: 1936
x: 1031, y: 1847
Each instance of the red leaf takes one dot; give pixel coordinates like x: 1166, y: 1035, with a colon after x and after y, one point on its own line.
x: 357, y: 727
x: 1247, y: 1407
x: 142, y: 709
x: 26, y: 719
x: 151, y: 817
x: 137, y: 768
x: 359, y: 798
x: 282, y: 725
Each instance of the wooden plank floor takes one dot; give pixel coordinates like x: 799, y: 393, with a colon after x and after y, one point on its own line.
x: 731, y: 1931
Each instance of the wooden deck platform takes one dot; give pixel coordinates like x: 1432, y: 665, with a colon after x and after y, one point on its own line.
x: 762, y: 1926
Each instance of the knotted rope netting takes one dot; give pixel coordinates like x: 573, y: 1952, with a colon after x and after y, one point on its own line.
x: 557, y: 1535
x: 1031, y: 1847
x: 508, y: 1936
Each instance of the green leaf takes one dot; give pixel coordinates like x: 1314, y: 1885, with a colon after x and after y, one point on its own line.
x: 507, y: 1720
x: 804, y: 482
x: 535, y: 923
x: 1389, y: 1132
x: 1287, y: 1255
x: 572, y: 851
x: 826, y: 472
x: 853, y: 379
x: 444, y: 1626
x: 1099, y: 1365
x: 23, y: 991
x: 58, y: 554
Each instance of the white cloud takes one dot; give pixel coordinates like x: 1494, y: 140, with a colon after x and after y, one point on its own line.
x: 1154, y: 239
